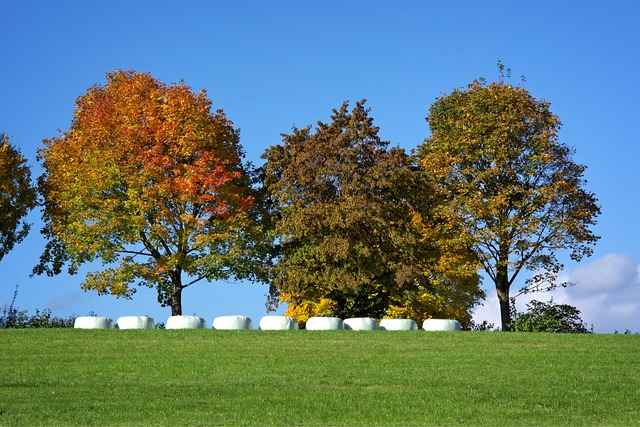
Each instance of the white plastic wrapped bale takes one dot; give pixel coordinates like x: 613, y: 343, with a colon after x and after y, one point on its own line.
x: 93, y: 322
x: 441, y: 325
x: 278, y: 323
x: 361, y: 324
x: 185, y: 322
x: 135, y: 322
x: 398, y: 325
x: 324, y: 324
x: 232, y: 322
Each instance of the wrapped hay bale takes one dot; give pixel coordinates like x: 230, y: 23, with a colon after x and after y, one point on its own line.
x: 93, y: 322
x: 398, y: 325
x: 278, y: 323
x: 232, y: 323
x: 441, y: 325
x: 135, y: 322
x: 324, y: 324
x: 185, y: 322
x: 361, y: 324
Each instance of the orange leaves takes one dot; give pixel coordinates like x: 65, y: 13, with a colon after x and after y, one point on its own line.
x: 17, y: 195
x: 146, y: 163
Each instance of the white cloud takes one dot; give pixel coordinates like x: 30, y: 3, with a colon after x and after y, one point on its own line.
x: 611, y: 273
x: 489, y: 310
x: 606, y: 291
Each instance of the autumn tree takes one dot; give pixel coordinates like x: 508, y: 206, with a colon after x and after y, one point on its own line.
x: 149, y: 180
x: 17, y: 195
x: 343, y: 203
x: 509, y: 189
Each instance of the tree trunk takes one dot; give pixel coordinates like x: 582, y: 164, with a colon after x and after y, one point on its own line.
x: 502, y: 288
x: 176, y: 293
x: 505, y: 310
x: 176, y: 302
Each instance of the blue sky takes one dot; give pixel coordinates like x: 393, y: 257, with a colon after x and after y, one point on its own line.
x: 275, y: 64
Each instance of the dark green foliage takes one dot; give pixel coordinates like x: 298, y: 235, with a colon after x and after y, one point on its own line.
x: 41, y: 319
x: 485, y: 326
x: 549, y: 317
x: 11, y: 317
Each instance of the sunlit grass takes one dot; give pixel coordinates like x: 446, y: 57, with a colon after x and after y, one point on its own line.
x: 206, y: 377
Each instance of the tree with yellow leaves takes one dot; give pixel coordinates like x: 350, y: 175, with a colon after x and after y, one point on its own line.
x: 508, y: 189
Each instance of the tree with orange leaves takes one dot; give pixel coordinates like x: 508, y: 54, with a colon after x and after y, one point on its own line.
x: 17, y: 195
x: 150, y: 181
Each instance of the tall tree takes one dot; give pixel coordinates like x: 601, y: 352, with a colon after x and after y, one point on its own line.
x: 344, y: 203
x: 509, y: 189
x: 151, y: 181
x: 17, y: 195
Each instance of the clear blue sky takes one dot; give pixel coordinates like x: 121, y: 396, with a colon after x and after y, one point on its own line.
x: 274, y: 64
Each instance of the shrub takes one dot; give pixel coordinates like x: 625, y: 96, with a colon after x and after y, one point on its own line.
x: 11, y: 317
x: 549, y: 317
x: 485, y: 326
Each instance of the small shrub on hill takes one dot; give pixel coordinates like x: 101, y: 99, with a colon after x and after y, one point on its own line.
x: 485, y: 326
x: 11, y: 317
x: 549, y: 317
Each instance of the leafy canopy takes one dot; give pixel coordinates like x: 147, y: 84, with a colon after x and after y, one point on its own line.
x: 17, y: 196
x: 508, y: 187
x: 344, y: 203
x: 149, y: 180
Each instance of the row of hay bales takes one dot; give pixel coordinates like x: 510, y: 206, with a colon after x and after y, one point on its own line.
x: 267, y: 323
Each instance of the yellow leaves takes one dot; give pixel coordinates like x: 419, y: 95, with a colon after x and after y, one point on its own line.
x: 419, y: 308
x: 509, y: 190
x: 302, y: 311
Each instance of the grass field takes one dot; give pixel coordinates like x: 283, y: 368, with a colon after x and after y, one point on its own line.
x: 206, y: 377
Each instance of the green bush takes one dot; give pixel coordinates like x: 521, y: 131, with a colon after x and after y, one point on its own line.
x: 11, y: 317
x: 549, y: 317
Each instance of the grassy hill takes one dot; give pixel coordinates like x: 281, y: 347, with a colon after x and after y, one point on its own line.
x: 207, y: 377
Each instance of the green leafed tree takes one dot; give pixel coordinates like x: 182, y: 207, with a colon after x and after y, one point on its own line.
x: 508, y: 188
x: 344, y: 204
x: 149, y: 180
x: 17, y: 195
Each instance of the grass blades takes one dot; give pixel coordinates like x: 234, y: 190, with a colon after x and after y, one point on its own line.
x: 205, y: 377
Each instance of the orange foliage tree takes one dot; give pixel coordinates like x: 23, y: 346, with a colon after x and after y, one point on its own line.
x: 150, y: 181
x: 17, y: 195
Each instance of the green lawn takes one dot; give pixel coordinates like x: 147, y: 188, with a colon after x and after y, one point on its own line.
x: 207, y: 377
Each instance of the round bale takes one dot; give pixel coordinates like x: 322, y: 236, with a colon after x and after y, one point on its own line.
x: 324, y: 324
x: 232, y: 323
x: 185, y: 322
x: 398, y: 325
x: 135, y: 322
x: 278, y: 323
x: 361, y: 324
x: 93, y: 322
x: 441, y: 325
